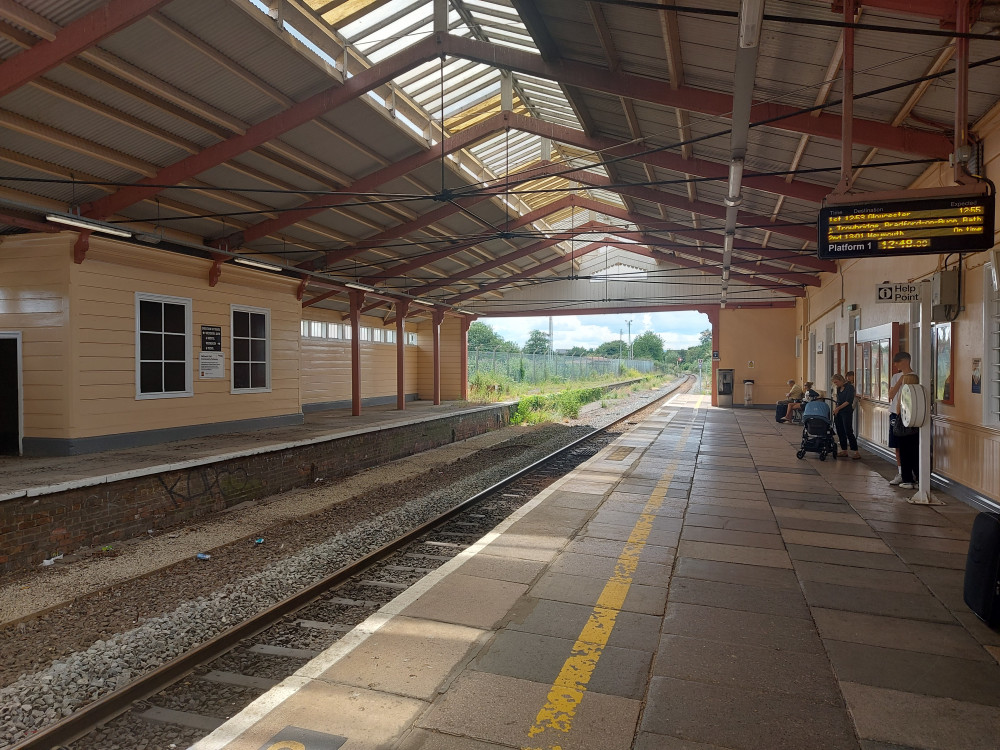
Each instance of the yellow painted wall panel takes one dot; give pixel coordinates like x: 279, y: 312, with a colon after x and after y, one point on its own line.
x: 765, y: 337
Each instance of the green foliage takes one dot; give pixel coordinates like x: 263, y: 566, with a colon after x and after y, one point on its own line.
x: 647, y: 345
x: 578, y: 351
x: 542, y: 408
x: 484, y: 338
x: 538, y: 343
x: 489, y: 386
x: 610, y: 349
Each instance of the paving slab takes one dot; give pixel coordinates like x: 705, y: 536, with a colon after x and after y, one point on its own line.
x: 972, y: 681
x: 742, y: 665
x: 920, y: 721
x: 565, y: 620
x: 876, y: 602
x: 604, y: 568
x: 734, y: 626
x: 774, y: 558
x: 727, y: 572
x: 540, y: 658
x: 846, y: 575
x: 649, y: 600
x: 744, y: 719
x: 873, y: 560
x: 501, y: 709
x: 731, y: 536
x: 467, y: 600
x: 735, y: 596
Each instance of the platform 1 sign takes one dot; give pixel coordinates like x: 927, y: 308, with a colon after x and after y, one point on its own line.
x: 911, y: 227
x: 897, y: 293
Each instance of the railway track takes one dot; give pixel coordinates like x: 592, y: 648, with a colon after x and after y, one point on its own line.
x: 187, y: 697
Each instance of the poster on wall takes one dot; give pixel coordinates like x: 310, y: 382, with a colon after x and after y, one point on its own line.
x: 211, y: 365
x: 977, y: 375
x: 944, y: 390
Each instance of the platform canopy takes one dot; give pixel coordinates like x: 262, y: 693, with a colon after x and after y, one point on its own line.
x: 486, y: 155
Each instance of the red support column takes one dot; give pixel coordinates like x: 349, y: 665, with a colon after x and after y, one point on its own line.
x: 713, y: 318
x: 961, y: 175
x: 436, y: 317
x: 401, y: 308
x: 357, y: 300
x: 464, y: 358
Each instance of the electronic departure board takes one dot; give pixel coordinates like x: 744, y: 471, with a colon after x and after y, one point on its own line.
x: 909, y: 227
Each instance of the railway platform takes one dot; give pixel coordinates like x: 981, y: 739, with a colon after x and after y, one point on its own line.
x: 693, y: 586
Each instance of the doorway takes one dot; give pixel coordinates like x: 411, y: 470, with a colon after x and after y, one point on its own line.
x: 10, y: 394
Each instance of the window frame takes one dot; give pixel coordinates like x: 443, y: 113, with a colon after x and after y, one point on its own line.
x: 187, y: 304
x: 266, y: 312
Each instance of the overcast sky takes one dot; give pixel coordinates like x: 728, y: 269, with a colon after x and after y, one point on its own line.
x: 679, y: 330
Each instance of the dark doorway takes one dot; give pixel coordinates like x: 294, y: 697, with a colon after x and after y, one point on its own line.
x: 10, y: 398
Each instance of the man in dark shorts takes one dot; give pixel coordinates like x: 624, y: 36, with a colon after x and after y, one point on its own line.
x: 901, y: 363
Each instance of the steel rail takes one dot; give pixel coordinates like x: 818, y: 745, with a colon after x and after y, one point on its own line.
x: 108, y: 707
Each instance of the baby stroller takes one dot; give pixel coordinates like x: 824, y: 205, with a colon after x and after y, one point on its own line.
x: 817, y: 430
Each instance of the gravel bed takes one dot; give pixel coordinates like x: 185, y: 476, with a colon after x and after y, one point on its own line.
x: 255, y: 579
x: 129, y: 732
x: 205, y: 698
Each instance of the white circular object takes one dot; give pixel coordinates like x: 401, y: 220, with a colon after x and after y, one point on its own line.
x: 912, y: 405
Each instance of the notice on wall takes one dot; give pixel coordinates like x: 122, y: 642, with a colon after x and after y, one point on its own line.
x: 211, y: 338
x: 715, y: 355
x: 977, y: 375
x: 211, y: 365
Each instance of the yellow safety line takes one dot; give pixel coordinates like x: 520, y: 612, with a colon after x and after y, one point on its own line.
x: 569, y: 686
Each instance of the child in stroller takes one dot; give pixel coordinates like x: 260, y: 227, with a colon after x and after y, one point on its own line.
x: 817, y: 430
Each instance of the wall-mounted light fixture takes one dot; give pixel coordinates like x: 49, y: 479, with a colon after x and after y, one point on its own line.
x: 93, y: 226
x: 261, y: 264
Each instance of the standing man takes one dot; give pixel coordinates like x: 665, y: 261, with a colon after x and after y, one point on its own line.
x: 901, y: 363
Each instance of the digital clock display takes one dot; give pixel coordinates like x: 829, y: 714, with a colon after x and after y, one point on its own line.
x: 914, y: 227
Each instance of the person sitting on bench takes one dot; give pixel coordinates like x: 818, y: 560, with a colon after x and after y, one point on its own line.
x: 808, y: 395
x: 794, y: 394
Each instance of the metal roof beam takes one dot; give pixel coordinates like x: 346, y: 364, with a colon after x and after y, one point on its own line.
x: 264, y: 131
x: 73, y: 39
x: 702, y: 101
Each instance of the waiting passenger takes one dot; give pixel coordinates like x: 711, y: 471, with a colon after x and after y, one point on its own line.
x: 794, y: 394
x: 907, y: 443
x: 843, y: 415
x: 808, y: 394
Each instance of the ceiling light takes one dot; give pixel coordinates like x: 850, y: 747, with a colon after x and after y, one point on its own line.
x: 725, y: 274
x: 466, y: 312
x: 361, y: 287
x: 735, y: 180
x: 421, y: 302
x: 751, y: 18
x: 93, y: 226
x: 250, y: 262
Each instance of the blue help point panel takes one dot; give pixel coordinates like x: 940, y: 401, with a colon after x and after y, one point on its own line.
x: 297, y: 738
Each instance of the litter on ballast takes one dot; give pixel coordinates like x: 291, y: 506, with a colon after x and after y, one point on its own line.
x: 203, y: 556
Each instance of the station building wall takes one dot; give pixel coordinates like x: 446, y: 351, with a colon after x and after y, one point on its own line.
x: 966, y: 434
x: 79, y: 344
x: 326, y: 365
x: 763, y: 337
x: 451, y: 359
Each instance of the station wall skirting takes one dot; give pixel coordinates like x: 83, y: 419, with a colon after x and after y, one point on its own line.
x: 38, y: 526
x: 957, y: 490
x: 373, y: 401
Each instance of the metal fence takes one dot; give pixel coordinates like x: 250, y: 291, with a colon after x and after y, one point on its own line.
x: 534, y: 368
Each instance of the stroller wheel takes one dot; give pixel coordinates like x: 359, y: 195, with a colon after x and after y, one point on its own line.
x: 834, y: 452
x: 822, y: 455
x: 800, y: 454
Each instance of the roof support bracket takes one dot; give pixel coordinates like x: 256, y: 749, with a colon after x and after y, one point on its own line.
x: 215, y: 272
x: 81, y: 246
x: 301, y: 291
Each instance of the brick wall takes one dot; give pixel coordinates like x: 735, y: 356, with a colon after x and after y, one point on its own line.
x: 34, y: 528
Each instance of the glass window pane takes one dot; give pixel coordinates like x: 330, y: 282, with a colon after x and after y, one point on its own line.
x: 304, y: 328
x: 241, y: 350
x: 174, y: 379
x: 150, y: 346
x: 348, y: 331
x: 258, y: 375
x: 883, y: 360
x: 241, y: 375
x: 173, y: 346
x: 334, y: 331
x: 173, y: 318
x: 317, y: 329
x: 150, y: 315
x: 151, y: 377
x: 241, y: 323
x: 258, y: 350
x: 258, y: 325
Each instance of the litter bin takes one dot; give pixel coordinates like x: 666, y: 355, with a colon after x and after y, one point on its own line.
x: 748, y: 393
x: 724, y: 390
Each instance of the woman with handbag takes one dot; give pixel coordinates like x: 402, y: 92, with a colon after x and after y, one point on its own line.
x: 843, y: 415
x: 908, y: 443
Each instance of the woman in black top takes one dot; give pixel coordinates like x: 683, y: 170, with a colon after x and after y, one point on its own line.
x: 843, y: 415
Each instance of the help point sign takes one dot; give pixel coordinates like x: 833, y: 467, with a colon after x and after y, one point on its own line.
x: 902, y: 292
